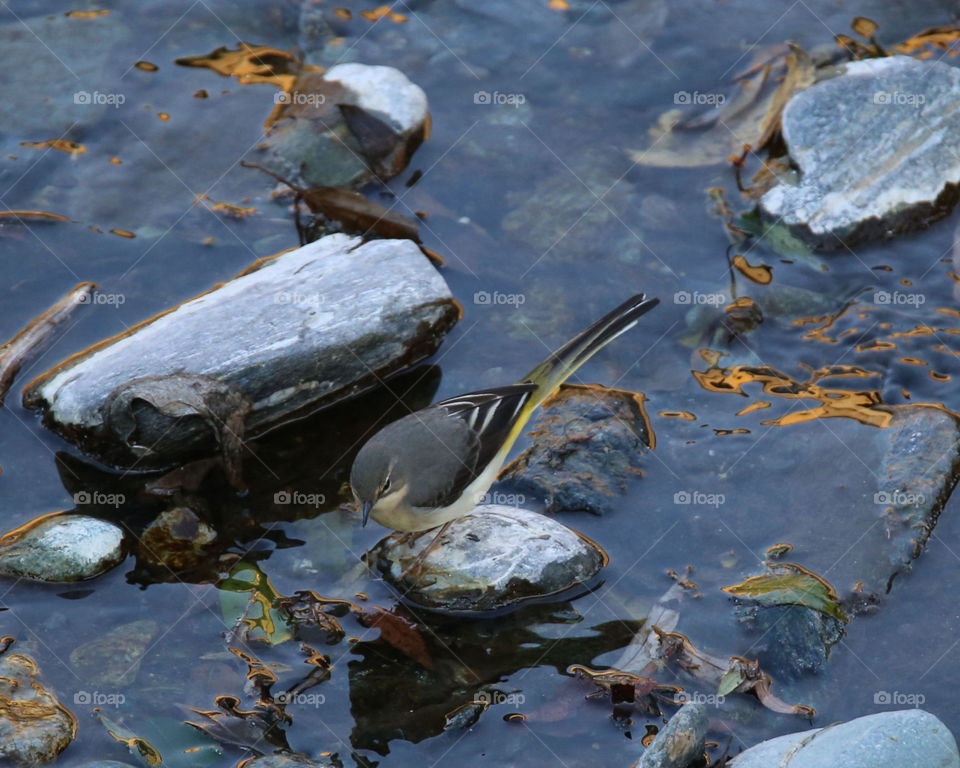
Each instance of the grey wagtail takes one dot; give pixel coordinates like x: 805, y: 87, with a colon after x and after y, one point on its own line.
x: 434, y: 465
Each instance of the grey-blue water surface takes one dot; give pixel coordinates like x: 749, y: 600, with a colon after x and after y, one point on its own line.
x: 538, y: 201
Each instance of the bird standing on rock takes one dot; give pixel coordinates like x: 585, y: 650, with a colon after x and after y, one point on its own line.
x: 433, y: 466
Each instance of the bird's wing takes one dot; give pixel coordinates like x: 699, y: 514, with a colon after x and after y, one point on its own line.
x: 483, y: 422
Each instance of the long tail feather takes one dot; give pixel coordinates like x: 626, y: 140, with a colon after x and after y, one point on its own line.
x: 553, y: 371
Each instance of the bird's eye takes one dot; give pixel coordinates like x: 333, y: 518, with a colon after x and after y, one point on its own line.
x: 386, y: 486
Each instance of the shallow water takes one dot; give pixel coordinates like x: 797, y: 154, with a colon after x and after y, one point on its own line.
x: 513, y: 197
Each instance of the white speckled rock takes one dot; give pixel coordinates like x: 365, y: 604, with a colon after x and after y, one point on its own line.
x: 303, y: 329
x: 876, y: 148
x: 61, y: 548
x: 908, y: 737
x: 494, y: 558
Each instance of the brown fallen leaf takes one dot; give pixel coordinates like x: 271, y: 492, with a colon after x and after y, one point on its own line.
x: 356, y: 213
x: 61, y: 145
x: 800, y: 75
x: 398, y: 631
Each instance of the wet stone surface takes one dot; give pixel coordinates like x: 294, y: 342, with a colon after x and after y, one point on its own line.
x: 907, y: 737
x: 61, y: 548
x: 875, y: 150
x: 34, y: 726
x: 315, y: 325
x: 347, y: 126
x: 588, y: 444
x: 495, y: 558
x: 680, y: 742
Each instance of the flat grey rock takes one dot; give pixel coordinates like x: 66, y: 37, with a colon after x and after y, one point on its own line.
x: 494, y: 558
x: 909, y: 737
x: 681, y: 741
x: 298, y: 331
x: 876, y: 150
x: 61, y: 548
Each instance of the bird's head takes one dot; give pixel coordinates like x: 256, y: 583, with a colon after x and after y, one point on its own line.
x: 377, y: 487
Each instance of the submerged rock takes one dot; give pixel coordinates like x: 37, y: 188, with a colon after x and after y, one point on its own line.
x: 875, y: 148
x: 114, y: 659
x: 34, y: 726
x: 346, y: 126
x: 908, y: 737
x: 494, y: 558
x: 588, y: 442
x: 61, y: 548
x: 681, y: 742
x: 919, y: 470
x: 176, y: 540
x: 302, y: 329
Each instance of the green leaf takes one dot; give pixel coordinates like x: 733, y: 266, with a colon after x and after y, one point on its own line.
x: 247, y: 584
x: 730, y: 680
x: 790, y: 584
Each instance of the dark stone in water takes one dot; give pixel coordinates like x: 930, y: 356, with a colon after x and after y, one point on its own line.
x: 588, y: 442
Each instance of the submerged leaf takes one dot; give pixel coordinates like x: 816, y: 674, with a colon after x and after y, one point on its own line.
x: 790, y: 584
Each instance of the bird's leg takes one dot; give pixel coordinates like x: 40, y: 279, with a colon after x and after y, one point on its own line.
x: 417, y: 564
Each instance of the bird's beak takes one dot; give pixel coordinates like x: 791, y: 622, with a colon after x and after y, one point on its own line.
x: 365, y: 511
